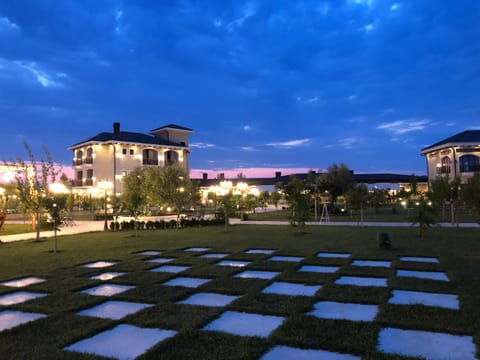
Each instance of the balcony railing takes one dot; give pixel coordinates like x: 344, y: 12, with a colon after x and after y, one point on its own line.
x: 89, y: 182
x: 77, y: 162
x: 78, y: 183
x: 89, y: 160
x: 149, y: 162
x: 470, y: 168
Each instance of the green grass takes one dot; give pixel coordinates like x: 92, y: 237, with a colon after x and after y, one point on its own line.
x: 10, y: 229
x: 458, y: 250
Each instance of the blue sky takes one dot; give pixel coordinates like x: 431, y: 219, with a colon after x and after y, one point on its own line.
x: 276, y: 84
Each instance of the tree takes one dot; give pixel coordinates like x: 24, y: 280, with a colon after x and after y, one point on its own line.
x: 338, y: 180
x: 133, y: 197
x: 444, y: 190
x: 357, y: 197
x: 424, y: 215
x: 227, y: 202
x: 176, y: 190
x: 54, y: 205
x: 32, y: 183
x: 471, y: 194
x: 298, y: 197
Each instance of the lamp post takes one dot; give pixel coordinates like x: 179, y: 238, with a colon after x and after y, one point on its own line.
x: 105, y: 186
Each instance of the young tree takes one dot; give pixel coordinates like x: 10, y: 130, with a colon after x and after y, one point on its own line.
x: 444, y: 190
x: 176, y: 189
x: 133, y: 197
x: 228, y: 203
x: 298, y: 197
x: 424, y: 215
x: 54, y: 205
x: 471, y: 194
x: 33, y: 183
x: 357, y: 197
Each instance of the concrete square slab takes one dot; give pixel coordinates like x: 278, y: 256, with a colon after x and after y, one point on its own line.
x: 213, y: 256
x: 433, y: 260
x: 122, y: 342
x: 22, y: 282
x: 431, y: 275
x: 149, y: 253
x: 319, y: 269
x: 197, y: 249
x: 107, y: 289
x: 186, y: 282
x: 99, y: 264
x: 19, y: 297
x: 426, y: 344
x: 11, y: 318
x: 160, y: 260
x: 361, y: 281
x: 209, y: 299
x: 260, y: 251
x: 234, y: 263
x: 170, y: 269
x: 292, y: 289
x: 281, y: 352
x: 333, y: 255
x: 404, y: 297
x: 245, y: 324
x: 372, y: 263
x: 114, y: 310
x: 344, y: 311
x: 257, y: 274
x: 286, y: 258
x: 107, y: 275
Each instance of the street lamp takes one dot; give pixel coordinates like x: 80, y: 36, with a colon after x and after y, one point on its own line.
x: 105, y: 186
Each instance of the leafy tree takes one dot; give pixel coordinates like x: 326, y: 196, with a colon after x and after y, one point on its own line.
x: 424, y: 215
x: 471, y: 194
x: 444, y: 190
x: 133, y: 197
x: 298, y: 197
x: 275, y: 198
x: 228, y: 203
x: 337, y: 180
x: 357, y: 197
x: 32, y: 183
x: 176, y: 189
x: 377, y: 198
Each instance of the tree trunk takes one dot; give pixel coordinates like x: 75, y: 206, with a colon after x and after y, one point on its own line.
x: 452, y: 213
x: 37, y: 238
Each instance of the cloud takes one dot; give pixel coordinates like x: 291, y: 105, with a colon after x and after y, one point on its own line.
x: 42, y: 77
x: 399, y: 127
x: 8, y: 26
x: 248, y: 148
x: 248, y: 11
x: 289, y: 144
x: 349, y: 142
x: 308, y: 100
x: 395, y: 7
x: 202, y: 145
x: 247, y: 128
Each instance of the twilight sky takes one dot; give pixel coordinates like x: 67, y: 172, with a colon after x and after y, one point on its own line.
x: 264, y: 84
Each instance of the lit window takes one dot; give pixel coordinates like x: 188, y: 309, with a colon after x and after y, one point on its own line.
x: 124, y: 173
x: 469, y: 163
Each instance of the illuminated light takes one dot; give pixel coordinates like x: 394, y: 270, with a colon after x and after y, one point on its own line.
x: 58, y: 188
x: 169, y: 209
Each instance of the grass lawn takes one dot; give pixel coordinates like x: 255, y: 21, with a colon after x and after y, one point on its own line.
x: 457, y: 249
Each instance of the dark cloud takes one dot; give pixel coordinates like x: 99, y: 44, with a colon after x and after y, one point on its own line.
x: 291, y: 70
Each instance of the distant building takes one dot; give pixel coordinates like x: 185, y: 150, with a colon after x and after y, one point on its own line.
x: 104, y: 159
x: 456, y: 156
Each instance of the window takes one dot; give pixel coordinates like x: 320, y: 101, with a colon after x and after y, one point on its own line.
x: 150, y: 157
x: 79, y: 178
x: 132, y: 152
x: 78, y: 158
x: 469, y: 163
x: 89, y: 158
x: 171, y: 157
x: 446, y: 165
x: 89, y: 180
x: 124, y: 151
x: 124, y: 173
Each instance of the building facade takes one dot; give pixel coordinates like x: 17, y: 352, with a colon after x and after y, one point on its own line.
x: 456, y: 156
x: 101, y: 161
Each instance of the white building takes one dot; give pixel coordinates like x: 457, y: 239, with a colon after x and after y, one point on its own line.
x: 108, y: 156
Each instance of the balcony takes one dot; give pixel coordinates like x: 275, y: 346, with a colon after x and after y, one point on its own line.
x: 77, y: 162
x: 150, y: 162
x: 78, y: 182
x: 89, y: 182
x: 89, y: 160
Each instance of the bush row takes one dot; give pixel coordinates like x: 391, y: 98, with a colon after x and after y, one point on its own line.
x: 162, y: 224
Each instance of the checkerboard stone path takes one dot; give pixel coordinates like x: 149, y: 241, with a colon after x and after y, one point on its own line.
x: 127, y: 341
